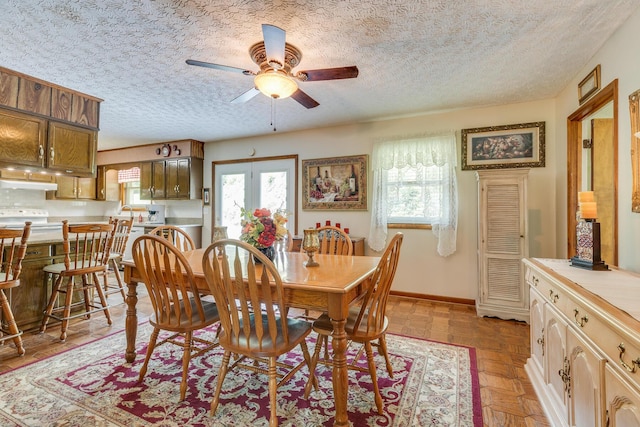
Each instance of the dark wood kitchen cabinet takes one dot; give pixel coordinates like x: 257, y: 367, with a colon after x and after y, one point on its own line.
x: 72, y: 150
x: 152, y: 180
x: 47, y: 127
x: 71, y: 187
x: 178, y: 177
x: 23, y: 139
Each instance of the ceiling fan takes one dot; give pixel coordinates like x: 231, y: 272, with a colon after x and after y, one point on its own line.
x: 276, y: 60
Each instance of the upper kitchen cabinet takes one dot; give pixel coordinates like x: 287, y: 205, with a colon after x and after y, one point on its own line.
x: 72, y: 150
x: 47, y: 127
x: 152, y: 180
x: 23, y: 139
x: 178, y: 174
x: 71, y: 187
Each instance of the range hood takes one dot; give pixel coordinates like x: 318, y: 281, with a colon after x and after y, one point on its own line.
x: 27, y: 185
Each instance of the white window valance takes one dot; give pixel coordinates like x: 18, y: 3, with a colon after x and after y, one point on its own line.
x: 418, y: 151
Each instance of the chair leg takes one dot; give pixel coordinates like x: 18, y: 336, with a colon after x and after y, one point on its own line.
x: 152, y: 346
x: 224, y: 368
x: 273, y: 389
x: 116, y: 272
x: 374, y: 378
x: 85, y: 292
x: 11, y: 322
x: 55, y: 289
x: 312, y: 365
x: 383, y: 349
x: 66, y: 312
x: 186, y: 357
x: 103, y: 299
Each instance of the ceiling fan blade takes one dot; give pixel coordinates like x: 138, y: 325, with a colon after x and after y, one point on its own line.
x: 245, y: 96
x: 328, y: 74
x: 219, y: 67
x: 274, y: 41
x: 304, y: 99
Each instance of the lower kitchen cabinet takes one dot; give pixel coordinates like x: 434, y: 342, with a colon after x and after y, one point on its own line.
x: 577, y: 367
x: 29, y: 299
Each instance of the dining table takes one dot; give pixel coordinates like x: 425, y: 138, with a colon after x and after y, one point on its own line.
x: 332, y: 287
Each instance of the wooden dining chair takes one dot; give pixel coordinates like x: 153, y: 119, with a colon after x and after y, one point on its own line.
x: 333, y: 241
x: 86, y: 253
x: 169, y: 281
x: 367, y: 322
x: 240, y: 277
x: 176, y: 235
x: 13, y: 248
x: 122, y: 231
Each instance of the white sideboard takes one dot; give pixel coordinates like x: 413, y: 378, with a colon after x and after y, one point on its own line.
x: 585, y: 343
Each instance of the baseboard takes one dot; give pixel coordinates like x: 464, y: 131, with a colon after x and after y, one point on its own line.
x: 440, y: 298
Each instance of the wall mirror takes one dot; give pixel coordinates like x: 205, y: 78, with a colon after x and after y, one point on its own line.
x: 592, y: 165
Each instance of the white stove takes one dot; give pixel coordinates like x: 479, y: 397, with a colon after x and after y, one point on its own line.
x: 16, y: 217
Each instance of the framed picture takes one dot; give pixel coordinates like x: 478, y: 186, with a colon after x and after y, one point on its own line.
x: 205, y: 197
x: 335, y: 183
x: 501, y: 147
x: 589, y: 85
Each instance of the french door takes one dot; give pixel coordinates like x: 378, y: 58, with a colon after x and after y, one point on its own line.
x: 260, y: 183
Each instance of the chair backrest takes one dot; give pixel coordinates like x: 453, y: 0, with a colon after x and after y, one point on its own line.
x: 333, y: 241
x: 176, y: 235
x: 371, y: 318
x: 284, y: 245
x: 87, y: 246
x: 168, y: 278
x: 243, y: 288
x: 13, y: 248
x: 121, y: 235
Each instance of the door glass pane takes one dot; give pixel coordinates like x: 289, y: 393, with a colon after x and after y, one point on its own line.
x: 233, y: 189
x: 273, y: 190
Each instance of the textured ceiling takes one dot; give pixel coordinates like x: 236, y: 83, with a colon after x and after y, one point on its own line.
x: 413, y: 57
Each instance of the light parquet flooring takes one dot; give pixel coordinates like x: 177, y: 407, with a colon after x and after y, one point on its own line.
x: 502, y: 348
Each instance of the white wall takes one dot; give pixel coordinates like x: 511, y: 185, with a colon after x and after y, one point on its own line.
x: 618, y: 59
x: 421, y: 269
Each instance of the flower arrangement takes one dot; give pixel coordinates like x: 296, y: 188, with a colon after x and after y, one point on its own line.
x: 260, y: 229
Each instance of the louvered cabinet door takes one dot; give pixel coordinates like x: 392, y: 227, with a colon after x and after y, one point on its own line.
x: 502, y: 243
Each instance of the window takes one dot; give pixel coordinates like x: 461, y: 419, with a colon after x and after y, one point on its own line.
x: 257, y: 184
x: 414, y: 182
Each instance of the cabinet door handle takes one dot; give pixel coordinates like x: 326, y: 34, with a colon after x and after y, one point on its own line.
x: 565, y: 376
x: 583, y: 320
x: 541, y: 340
x: 40, y: 152
x: 634, y: 363
x: 52, y: 153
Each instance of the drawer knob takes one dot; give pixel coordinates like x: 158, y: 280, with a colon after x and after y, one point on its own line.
x: 634, y: 363
x: 553, y: 296
x: 582, y: 321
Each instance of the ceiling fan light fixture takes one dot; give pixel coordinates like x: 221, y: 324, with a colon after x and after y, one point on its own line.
x: 275, y: 84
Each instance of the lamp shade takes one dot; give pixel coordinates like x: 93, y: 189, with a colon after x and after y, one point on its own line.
x: 275, y: 84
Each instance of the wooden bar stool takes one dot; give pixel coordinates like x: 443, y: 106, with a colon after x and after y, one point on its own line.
x: 13, y: 247
x: 86, y: 253
x: 122, y: 232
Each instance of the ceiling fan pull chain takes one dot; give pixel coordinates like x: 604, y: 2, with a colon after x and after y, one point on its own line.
x: 273, y: 112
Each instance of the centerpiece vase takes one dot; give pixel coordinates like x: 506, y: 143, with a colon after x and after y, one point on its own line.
x: 269, y: 252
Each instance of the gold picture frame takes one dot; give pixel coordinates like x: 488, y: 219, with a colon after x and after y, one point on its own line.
x: 589, y: 85
x: 335, y: 183
x: 501, y: 147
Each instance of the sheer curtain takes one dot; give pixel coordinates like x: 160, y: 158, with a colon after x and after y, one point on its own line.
x: 420, y: 152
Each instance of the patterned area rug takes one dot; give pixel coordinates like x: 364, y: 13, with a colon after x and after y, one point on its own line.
x: 434, y: 384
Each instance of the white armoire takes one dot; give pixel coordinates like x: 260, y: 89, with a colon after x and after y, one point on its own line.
x: 502, y: 243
